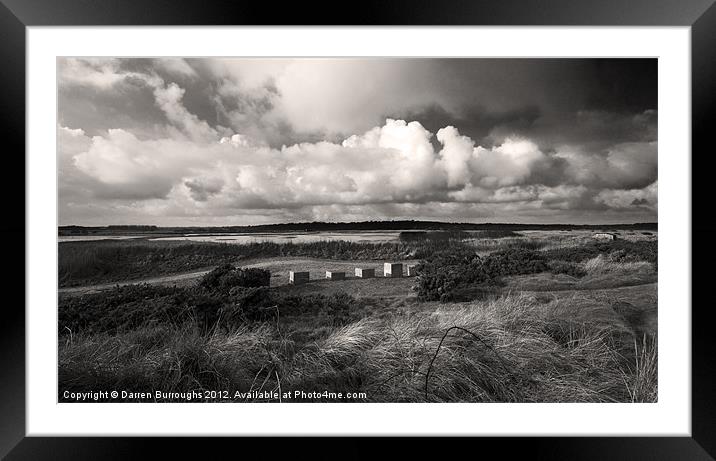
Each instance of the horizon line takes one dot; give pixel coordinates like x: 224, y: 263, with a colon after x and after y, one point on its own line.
x: 369, y: 221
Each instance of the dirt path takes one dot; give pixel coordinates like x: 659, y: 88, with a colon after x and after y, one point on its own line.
x: 186, y: 276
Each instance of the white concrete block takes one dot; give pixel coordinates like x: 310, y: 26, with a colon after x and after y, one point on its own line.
x: 393, y: 270
x: 296, y: 278
x: 364, y: 273
x: 335, y: 275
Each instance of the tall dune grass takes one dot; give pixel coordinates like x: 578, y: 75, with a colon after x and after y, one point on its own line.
x: 526, y: 350
x: 641, y: 377
x: 603, y: 264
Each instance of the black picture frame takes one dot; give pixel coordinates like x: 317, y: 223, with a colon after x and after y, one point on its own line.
x: 16, y: 15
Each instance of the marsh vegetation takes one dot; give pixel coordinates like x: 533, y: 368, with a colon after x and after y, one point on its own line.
x: 517, y: 317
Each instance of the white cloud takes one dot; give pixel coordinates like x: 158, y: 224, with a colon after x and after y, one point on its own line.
x: 239, y: 140
x: 509, y: 163
x: 390, y: 164
x: 456, y: 155
x: 404, y: 153
x: 105, y: 73
x: 102, y: 73
x: 176, y: 66
x: 332, y: 96
x: 150, y: 139
x: 615, y: 198
x: 247, y: 73
x: 169, y: 100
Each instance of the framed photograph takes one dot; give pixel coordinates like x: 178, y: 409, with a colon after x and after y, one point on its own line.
x: 424, y: 220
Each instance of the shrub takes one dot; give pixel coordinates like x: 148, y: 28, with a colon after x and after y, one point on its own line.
x: 335, y: 306
x: 126, y: 307
x: 226, y: 277
x: 132, y: 306
x: 634, y: 251
x: 515, y: 261
x: 449, y: 276
x: 205, y: 309
x: 463, y: 276
x: 460, y: 275
x: 249, y: 304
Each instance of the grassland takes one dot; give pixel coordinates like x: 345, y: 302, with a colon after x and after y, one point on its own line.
x: 93, y: 262
x: 518, y: 335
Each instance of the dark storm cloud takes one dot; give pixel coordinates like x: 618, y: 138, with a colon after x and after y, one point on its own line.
x: 621, y: 85
x: 597, y: 102
x: 596, y: 129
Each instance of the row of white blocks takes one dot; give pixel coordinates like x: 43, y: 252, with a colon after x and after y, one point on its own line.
x: 393, y: 270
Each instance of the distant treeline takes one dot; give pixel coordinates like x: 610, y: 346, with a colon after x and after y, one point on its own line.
x: 342, y: 226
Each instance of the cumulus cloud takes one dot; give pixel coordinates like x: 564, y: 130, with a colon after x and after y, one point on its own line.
x: 128, y: 167
x: 392, y: 163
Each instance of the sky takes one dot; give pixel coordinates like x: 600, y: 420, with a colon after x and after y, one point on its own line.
x: 236, y: 141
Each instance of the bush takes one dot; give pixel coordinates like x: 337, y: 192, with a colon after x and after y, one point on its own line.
x: 632, y: 251
x: 132, y: 306
x: 452, y: 276
x: 460, y: 275
x: 464, y: 276
x: 336, y: 307
x: 226, y: 277
x: 515, y: 261
x: 129, y: 307
x: 249, y: 304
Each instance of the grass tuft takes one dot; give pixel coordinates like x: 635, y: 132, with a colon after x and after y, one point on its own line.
x: 528, y: 350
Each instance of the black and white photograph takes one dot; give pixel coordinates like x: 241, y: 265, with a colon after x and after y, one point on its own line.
x: 357, y: 230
